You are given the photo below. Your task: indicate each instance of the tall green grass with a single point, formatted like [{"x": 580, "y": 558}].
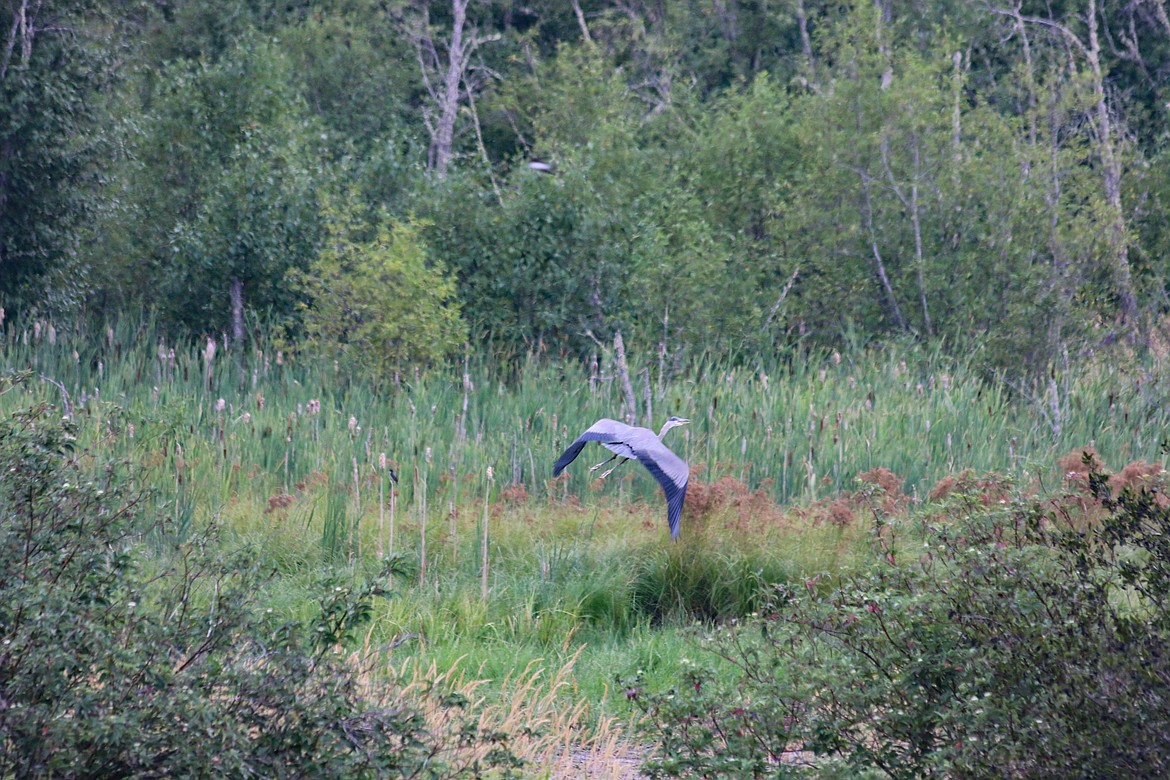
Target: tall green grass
[
  {"x": 255, "y": 422},
  {"x": 285, "y": 454}
]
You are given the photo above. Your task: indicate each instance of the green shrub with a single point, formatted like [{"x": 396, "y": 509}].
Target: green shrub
[
  {"x": 123, "y": 656},
  {"x": 1016, "y": 645}
]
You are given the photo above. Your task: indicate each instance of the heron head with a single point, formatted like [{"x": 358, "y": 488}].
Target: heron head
[{"x": 676, "y": 421}]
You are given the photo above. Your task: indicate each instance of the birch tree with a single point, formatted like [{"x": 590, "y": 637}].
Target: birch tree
[{"x": 447, "y": 63}]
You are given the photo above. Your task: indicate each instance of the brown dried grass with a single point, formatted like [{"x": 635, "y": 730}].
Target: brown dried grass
[{"x": 555, "y": 739}]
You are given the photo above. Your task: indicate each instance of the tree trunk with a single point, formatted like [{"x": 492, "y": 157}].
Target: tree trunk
[
  {"x": 449, "y": 96},
  {"x": 1111, "y": 170},
  {"x": 237, "y": 293},
  {"x": 619, "y": 351}
]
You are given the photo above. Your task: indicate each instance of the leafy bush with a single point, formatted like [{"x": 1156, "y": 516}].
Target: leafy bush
[
  {"x": 379, "y": 306},
  {"x": 125, "y": 656},
  {"x": 1015, "y": 645}
]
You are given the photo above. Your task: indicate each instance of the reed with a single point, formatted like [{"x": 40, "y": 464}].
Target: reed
[{"x": 292, "y": 458}]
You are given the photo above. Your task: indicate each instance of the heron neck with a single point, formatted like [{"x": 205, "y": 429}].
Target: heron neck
[{"x": 666, "y": 426}]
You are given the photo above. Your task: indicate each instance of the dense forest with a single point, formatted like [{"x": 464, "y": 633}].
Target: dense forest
[{"x": 720, "y": 176}]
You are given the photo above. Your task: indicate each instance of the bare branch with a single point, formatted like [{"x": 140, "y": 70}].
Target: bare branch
[{"x": 581, "y": 21}]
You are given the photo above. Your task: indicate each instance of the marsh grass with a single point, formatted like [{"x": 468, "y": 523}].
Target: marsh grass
[
  {"x": 291, "y": 457},
  {"x": 553, "y": 740}
]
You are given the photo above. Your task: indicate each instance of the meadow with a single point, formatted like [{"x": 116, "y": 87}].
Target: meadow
[{"x": 557, "y": 601}]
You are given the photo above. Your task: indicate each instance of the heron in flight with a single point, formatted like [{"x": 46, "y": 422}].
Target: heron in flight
[{"x": 628, "y": 442}]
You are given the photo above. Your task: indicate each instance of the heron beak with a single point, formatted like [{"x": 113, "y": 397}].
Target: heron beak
[{"x": 683, "y": 421}]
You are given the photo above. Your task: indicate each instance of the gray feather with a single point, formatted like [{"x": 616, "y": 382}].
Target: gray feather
[{"x": 643, "y": 445}]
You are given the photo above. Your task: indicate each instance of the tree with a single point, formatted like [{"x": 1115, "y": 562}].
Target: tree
[
  {"x": 222, "y": 194},
  {"x": 55, "y": 62},
  {"x": 377, "y": 304},
  {"x": 446, "y": 65},
  {"x": 1081, "y": 35}
]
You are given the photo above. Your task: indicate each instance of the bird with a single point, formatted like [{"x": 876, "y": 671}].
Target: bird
[
  {"x": 540, "y": 165},
  {"x": 630, "y": 442}
]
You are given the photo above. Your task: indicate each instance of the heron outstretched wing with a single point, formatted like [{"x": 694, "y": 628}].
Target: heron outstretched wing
[
  {"x": 670, "y": 470},
  {"x": 609, "y": 433},
  {"x": 644, "y": 446}
]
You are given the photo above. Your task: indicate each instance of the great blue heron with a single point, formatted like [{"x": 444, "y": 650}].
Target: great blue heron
[{"x": 626, "y": 442}]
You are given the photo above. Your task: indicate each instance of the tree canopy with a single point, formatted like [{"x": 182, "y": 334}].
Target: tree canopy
[{"x": 725, "y": 176}]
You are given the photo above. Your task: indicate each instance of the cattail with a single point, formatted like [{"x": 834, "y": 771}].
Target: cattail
[
  {"x": 52, "y": 335},
  {"x": 260, "y": 402},
  {"x": 483, "y": 572},
  {"x": 382, "y": 507},
  {"x": 220, "y": 404},
  {"x": 209, "y": 361}
]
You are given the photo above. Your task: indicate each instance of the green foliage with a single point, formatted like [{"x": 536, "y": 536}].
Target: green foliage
[
  {"x": 224, "y": 187},
  {"x": 378, "y": 305},
  {"x": 56, "y": 62},
  {"x": 123, "y": 657},
  {"x": 1019, "y": 638},
  {"x": 691, "y": 581}
]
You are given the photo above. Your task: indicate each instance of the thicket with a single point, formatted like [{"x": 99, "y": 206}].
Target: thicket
[
  {"x": 728, "y": 177},
  {"x": 130, "y": 652},
  {"x": 1020, "y": 636}
]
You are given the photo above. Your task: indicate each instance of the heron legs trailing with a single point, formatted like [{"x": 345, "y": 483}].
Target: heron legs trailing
[{"x": 599, "y": 465}]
